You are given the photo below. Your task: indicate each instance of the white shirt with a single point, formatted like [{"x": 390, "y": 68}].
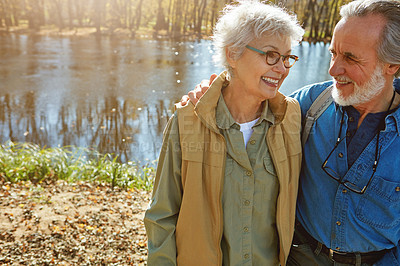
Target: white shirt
[{"x": 247, "y": 130}]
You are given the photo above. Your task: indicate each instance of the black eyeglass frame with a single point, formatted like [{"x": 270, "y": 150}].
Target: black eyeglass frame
[
  {"x": 285, "y": 58},
  {"x": 348, "y": 184}
]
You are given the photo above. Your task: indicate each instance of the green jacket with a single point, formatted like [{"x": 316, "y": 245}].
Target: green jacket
[{"x": 199, "y": 223}]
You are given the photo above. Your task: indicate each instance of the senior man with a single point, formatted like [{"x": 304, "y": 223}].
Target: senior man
[{"x": 348, "y": 209}]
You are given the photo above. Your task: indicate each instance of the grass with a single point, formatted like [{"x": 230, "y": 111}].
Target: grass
[{"x": 29, "y": 162}]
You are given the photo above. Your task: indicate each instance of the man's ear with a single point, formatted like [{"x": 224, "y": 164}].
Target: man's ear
[
  {"x": 391, "y": 69},
  {"x": 230, "y": 57}
]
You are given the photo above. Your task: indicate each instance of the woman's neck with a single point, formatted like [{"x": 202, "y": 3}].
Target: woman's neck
[{"x": 242, "y": 107}]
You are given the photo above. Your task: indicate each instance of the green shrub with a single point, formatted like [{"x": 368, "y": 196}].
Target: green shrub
[{"x": 27, "y": 161}]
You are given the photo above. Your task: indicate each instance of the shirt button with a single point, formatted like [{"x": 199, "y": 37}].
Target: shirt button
[
  {"x": 248, "y": 173},
  {"x": 246, "y": 229},
  {"x": 351, "y": 119},
  {"x": 252, "y": 142},
  {"x": 340, "y": 155},
  {"x": 246, "y": 256},
  {"x": 397, "y": 189},
  {"x": 338, "y": 223},
  {"x": 247, "y": 202}
]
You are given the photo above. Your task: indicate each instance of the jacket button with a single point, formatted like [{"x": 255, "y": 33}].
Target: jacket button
[
  {"x": 248, "y": 173},
  {"x": 252, "y": 142},
  {"x": 246, "y": 256},
  {"x": 247, "y": 202},
  {"x": 340, "y": 155},
  {"x": 246, "y": 229},
  {"x": 338, "y": 223},
  {"x": 397, "y": 189}
]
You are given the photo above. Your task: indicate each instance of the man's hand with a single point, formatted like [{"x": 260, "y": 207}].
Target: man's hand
[{"x": 198, "y": 91}]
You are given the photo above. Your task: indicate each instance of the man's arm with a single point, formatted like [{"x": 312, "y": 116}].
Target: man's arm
[
  {"x": 161, "y": 218},
  {"x": 393, "y": 256},
  {"x": 194, "y": 95}
]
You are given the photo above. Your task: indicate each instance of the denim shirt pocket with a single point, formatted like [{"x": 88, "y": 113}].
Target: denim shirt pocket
[{"x": 380, "y": 205}]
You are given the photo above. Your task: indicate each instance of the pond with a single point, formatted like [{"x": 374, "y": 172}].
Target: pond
[{"x": 114, "y": 95}]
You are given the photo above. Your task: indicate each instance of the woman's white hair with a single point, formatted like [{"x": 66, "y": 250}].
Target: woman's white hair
[{"x": 248, "y": 20}]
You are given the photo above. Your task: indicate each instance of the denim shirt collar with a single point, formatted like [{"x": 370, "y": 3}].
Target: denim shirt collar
[{"x": 392, "y": 121}]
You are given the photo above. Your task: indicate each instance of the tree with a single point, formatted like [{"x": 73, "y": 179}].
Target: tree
[
  {"x": 70, "y": 15},
  {"x": 138, "y": 14},
  {"x": 99, "y": 6},
  {"x": 35, "y": 13},
  {"x": 178, "y": 17},
  {"x": 161, "y": 24},
  {"x": 200, "y": 16}
]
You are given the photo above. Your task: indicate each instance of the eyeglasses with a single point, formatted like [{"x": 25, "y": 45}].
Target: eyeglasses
[
  {"x": 350, "y": 186},
  {"x": 272, "y": 57}
]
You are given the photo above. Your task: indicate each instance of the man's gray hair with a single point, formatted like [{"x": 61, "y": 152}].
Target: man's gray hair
[
  {"x": 389, "y": 44},
  {"x": 248, "y": 20}
]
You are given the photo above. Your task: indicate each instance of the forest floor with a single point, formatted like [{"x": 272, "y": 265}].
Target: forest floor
[{"x": 71, "y": 224}]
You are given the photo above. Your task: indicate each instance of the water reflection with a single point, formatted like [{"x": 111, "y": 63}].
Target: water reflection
[{"x": 112, "y": 94}]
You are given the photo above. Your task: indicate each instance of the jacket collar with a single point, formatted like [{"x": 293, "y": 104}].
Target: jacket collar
[
  {"x": 225, "y": 119},
  {"x": 206, "y": 107},
  {"x": 393, "y": 120}
]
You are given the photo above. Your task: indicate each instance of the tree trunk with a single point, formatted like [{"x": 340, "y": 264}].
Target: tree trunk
[
  {"x": 322, "y": 18},
  {"x": 70, "y": 15},
  {"x": 194, "y": 14},
  {"x": 185, "y": 20},
  {"x": 41, "y": 13},
  {"x": 34, "y": 14},
  {"x": 2, "y": 14},
  {"x": 129, "y": 16},
  {"x": 59, "y": 10},
  {"x": 98, "y": 4},
  {"x": 334, "y": 17},
  {"x": 7, "y": 14},
  {"x": 213, "y": 16},
  {"x": 169, "y": 21},
  {"x": 176, "y": 30},
  {"x": 306, "y": 14},
  {"x": 78, "y": 12},
  {"x": 160, "y": 23},
  {"x": 200, "y": 16},
  {"x": 15, "y": 13},
  {"x": 138, "y": 14}
]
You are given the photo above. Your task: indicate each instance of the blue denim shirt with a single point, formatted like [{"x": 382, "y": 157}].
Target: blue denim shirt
[{"x": 333, "y": 215}]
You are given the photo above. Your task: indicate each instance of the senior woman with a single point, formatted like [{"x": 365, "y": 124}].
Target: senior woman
[{"x": 227, "y": 177}]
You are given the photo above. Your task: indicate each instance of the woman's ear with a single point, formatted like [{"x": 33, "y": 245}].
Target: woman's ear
[{"x": 230, "y": 57}]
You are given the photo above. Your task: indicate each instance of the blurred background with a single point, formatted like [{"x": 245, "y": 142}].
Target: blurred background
[{"x": 105, "y": 74}]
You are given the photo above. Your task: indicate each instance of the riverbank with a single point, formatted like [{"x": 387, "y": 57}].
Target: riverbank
[
  {"x": 142, "y": 33},
  {"x": 71, "y": 206}
]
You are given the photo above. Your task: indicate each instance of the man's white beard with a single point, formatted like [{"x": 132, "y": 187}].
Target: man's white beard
[{"x": 361, "y": 94}]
